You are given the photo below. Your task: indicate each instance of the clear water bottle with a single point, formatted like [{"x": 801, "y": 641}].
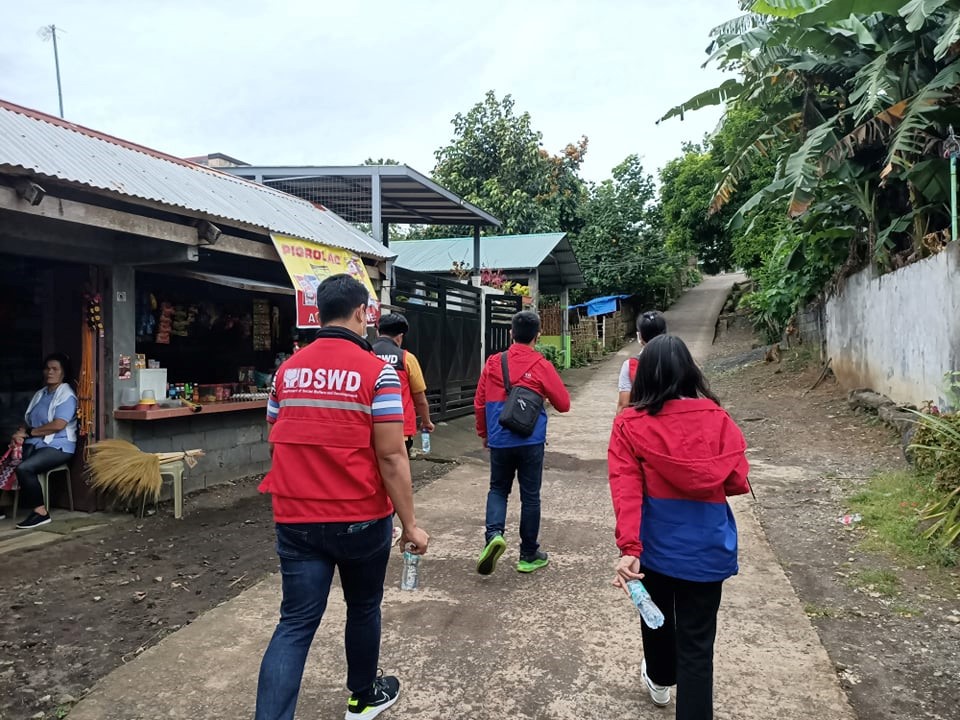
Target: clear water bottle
[
  {"x": 645, "y": 606},
  {"x": 425, "y": 442},
  {"x": 410, "y": 579}
]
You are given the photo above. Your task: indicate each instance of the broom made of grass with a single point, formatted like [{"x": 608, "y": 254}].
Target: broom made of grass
[{"x": 121, "y": 468}]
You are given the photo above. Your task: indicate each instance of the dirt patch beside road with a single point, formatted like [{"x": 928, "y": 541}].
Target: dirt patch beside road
[
  {"x": 73, "y": 611},
  {"x": 883, "y": 621}
]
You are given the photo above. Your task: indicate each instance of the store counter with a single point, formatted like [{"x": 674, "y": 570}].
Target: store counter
[{"x": 162, "y": 413}]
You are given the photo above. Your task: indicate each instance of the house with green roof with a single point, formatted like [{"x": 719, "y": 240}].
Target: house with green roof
[{"x": 543, "y": 262}]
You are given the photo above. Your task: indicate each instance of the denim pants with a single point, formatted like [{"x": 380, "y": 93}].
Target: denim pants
[
  {"x": 681, "y": 652},
  {"x": 309, "y": 553},
  {"x": 526, "y": 464},
  {"x": 37, "y": 460}
]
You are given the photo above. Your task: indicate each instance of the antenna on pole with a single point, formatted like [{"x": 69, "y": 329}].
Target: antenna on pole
[{"x": 49, "y": 32}]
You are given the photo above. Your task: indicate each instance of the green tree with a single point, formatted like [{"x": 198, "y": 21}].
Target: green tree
[
  {"x": 696, "y": 223},
  {"x": 496, "y": 161},
  {"x": 851, "y": 104},
  {"x": 621, "y": 247},
  {"x": 687, "y": 185}
]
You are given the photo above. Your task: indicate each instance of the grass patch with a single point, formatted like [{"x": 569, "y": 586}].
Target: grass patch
[
  {"x": 818, "y": 611},
  {"x": 890, "y": 504},
  {"x": 800, "y": 357},
  {"x": 881, "y": 581},
  {"x": 906, "y": 611}
]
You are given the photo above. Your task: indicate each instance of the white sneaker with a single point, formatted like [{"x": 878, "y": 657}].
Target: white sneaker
[{"x": 658, "y": 693}]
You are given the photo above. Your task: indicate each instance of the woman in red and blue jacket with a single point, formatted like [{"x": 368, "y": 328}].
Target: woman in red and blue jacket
[{"x": 674, "y": 457}]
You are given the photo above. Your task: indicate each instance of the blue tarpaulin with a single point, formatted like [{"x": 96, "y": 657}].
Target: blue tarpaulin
[{"x": 601, "y": 305}]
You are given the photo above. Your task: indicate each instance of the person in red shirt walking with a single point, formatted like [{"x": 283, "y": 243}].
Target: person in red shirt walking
[
  {"x": 674, "y": 457},
  {"x": 339, "y": 472},
  {"x": 512, "y": 455},
  {"x": 388, "y": 347},
  {"x": 649, "y": 325}
]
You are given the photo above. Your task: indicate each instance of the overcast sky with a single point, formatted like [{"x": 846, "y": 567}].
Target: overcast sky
[{"x": 313, "y": 82}]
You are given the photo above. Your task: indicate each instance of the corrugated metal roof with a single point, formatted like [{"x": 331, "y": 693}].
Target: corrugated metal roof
[
  {"x": 550, "y": 253},
  {"x": 55, "y": 149},
  {"x": 406, "y": 196}
]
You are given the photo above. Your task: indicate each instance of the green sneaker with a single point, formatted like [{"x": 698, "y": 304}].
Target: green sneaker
[
  {"x": 487, "y": 562},
  {"x": 529, "y": 564}
]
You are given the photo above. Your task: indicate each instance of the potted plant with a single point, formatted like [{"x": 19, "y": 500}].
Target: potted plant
[
  {"x": 461, "y": 271},
  {"x": 494, "y": 279}
]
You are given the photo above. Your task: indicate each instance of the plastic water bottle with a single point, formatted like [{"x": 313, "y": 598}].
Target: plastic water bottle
[
  {"x": 410, "y": 579},
  {"x": 425, "y": 441},
  {"x": 645, "y": 606}
]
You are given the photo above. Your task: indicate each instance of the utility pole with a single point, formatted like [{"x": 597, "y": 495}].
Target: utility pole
[
  {"x": 951, "y": 149},
  {"x": 46, "y": 33}
]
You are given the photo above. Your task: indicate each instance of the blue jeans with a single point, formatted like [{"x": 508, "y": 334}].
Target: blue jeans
[
  {"x": 309, "y": 553},
  {"x": 526, "y": 464}
]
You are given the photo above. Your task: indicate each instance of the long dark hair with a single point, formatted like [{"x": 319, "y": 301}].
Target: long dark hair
[{"x": 666, "y": 371}]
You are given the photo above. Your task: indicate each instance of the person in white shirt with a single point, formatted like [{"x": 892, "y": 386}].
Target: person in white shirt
[{"x": 649, "y": 325}]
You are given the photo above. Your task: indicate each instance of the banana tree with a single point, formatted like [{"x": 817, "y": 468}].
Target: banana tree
[{"x": 849, "y": 89}]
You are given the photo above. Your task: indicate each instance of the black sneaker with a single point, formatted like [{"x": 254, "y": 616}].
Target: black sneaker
[
  {"x": 532, "y": 563},
  {"x": 34, "y": 520},
  {"x": 381, "y": 696}
]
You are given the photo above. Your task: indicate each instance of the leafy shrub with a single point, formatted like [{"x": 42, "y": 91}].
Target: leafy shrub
[
  {"x": 692, "y": 277},
  {"x": 553, "y": 354},
  {"x": 579, "y": 356},
  {"x": 936, "y": 449}
]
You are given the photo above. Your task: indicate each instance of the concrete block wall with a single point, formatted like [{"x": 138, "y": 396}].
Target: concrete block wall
[
  {"x": 897, "y": 333},
  {"x": 809, "y": 321},
  {"x": 234, "y": 444}
]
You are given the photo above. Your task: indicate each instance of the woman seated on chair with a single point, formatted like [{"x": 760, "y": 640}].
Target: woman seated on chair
[{"x": 48, "y": 435}]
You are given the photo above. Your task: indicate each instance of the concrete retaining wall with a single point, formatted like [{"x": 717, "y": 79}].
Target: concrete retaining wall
[
  {"x": 234, "y": 442},
  {"x": 897, "y": 333}
]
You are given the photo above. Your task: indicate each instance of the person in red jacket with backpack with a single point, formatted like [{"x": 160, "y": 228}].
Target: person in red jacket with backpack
[
  {"x": 649, "y": 325},
  {"x": 673, "y": 459},
  {"x": 513, "y": 455}
]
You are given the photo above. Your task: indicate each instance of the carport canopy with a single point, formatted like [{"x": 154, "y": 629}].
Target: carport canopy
[{"x": 374, "y": 194}]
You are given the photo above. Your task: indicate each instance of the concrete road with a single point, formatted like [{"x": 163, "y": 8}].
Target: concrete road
[{"x": 560, "y": 644}]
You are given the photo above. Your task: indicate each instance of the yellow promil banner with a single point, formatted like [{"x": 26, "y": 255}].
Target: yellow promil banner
[{"x": 308, "y": 264}]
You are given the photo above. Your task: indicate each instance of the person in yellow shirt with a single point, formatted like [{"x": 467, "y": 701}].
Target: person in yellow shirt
[{"x": 388, "y": 347}]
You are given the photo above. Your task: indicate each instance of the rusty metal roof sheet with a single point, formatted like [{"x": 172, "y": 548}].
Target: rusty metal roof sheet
[{"x": 49, "y": 147}]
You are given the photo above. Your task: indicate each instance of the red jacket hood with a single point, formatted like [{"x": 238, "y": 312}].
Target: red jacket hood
[{"x": 693, "y": 445}]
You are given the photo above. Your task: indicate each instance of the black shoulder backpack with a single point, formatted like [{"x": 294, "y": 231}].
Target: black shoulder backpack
[{"x": 522, "y": 409}]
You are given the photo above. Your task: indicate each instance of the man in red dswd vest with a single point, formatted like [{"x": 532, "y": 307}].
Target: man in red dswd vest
[{"x": 339, "y": 472}]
